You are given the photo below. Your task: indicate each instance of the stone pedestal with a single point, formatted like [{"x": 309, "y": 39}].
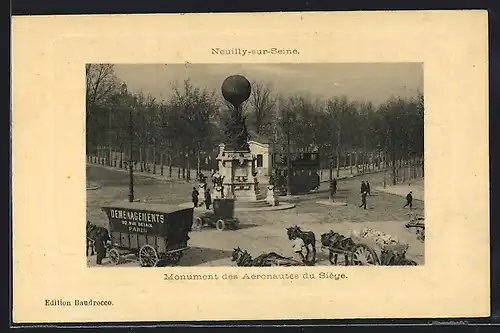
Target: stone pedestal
[{"x": 236, "y": 167}]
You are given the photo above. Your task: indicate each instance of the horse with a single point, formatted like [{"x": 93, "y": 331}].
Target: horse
[
  {"x": 94, "y": 231},
  {"x": 307, "y": 237},
  {"x": 244, "y": 259},
  {"x": 271, "y": 258},
  {"x": 334, "y": 240}
]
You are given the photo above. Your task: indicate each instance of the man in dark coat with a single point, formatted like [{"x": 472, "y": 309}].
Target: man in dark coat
[
  {"x": 363, "y": 200},
  {"x": 100, "y": 247},
  {"x": 334, "y": 185},
  {"x": 208, "y": 198},
  {"x": 409, "y": 200},
  {"x": 363, "y": 187},
  {"x": 194, "y": 196},
  {"x": 368, "y": 188}
]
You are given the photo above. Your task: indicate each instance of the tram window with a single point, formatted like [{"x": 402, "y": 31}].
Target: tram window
[{"x": 260, "y": 162}]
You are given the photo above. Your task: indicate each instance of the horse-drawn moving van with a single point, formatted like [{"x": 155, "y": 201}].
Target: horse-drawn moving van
[{"x": 156, "y": 233}]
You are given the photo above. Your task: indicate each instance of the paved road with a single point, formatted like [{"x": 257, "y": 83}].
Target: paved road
[{"x": 264, "y": 232}]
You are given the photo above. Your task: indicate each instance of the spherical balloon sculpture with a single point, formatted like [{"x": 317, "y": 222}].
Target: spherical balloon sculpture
[{"x": 236, "y": 89}]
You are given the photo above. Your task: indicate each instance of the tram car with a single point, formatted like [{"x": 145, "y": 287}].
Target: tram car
[{"x": 304, "y": 172}]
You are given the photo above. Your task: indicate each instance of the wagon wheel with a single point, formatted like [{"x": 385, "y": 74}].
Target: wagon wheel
[
  {"x": 114, "y": 256},
  {"x": 220, "y": 225},
  {"x": 363, "y": 255},
  {"x": 148, "y": 257},
  {"x": 197, "y": 223},
  {"x": 173, "y": 258}
]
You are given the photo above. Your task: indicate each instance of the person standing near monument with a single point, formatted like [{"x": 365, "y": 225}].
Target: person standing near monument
[
  {"x": 208, "y": 198},
  {"x": 194, "y": 196}
]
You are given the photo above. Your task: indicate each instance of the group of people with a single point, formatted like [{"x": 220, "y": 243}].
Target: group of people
[
  {"x": 208, "y": 197},
  {"x": 365, "y": 190}
]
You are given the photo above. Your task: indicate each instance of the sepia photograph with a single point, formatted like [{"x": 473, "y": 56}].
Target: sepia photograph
[
  {"x": 254, "y": 164},
  {"x": 300, "y": 161}
]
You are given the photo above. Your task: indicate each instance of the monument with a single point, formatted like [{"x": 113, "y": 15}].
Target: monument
[
  {"x": 235, "y": 161},
  {"x": 235, "y": 177}
]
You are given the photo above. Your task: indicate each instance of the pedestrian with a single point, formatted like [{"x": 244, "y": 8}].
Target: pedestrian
[
  {"x": 100, "y": 247},
  {"x": 409, "y": 200},
  {"x": 213, "y": 178},
  {"x": 194, "y": 196},
  {"x": 208, "y": 198},
  {"x": 298, "y": 246},
  {"x": 363, "y": 187},
  {"x": 368, "y": 188},
  {"x": 363, "y": 200},
  {"x": 334, "y": 183}
]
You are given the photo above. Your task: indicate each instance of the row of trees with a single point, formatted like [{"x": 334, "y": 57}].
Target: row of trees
[{"x": 184, "y": 131}]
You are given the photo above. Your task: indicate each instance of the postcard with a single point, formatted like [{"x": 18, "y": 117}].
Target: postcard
[{"x": 250, "y": 166}]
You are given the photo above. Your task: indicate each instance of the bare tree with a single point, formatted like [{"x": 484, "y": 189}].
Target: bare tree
[
  {"x": 102, "y": 84},
  {"x": 262, "y": 102}
]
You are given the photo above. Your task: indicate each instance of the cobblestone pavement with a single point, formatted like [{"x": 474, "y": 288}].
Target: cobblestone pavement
[{"x": 263, "y": 231}]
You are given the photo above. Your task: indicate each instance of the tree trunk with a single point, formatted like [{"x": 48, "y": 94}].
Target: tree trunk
[
  {"x": 393, "y": 166},
  {"x": 350, "y": 161},
  {"x": 385, "y": 168},
  {"x": 183, "y": 163},
  {"x": 198, "y": 165},
  {"x": 188, "y": 168},
  {"x": 363, "y": 162},
  {"x": 403, "y": 166},
  {"x": 170, "y": 164},
  {"x": 356, "y": 161},
  {"x": 161, "y": 163},
  {"x": 423, "y": 162},
  {"x": 139, "y": 164},
  {"x": 154, "y": 160}
]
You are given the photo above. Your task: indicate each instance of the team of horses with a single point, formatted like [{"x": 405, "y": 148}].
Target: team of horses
[
  {"x": 243, "y": 259},
  {"x": 329, "y": 240}
]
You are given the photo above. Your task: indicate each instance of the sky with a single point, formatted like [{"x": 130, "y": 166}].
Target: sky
[{"x": 363, "y": 82}]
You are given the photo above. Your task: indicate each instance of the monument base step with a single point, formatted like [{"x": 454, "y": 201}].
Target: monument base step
[{"x": 251, "y": 204}]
